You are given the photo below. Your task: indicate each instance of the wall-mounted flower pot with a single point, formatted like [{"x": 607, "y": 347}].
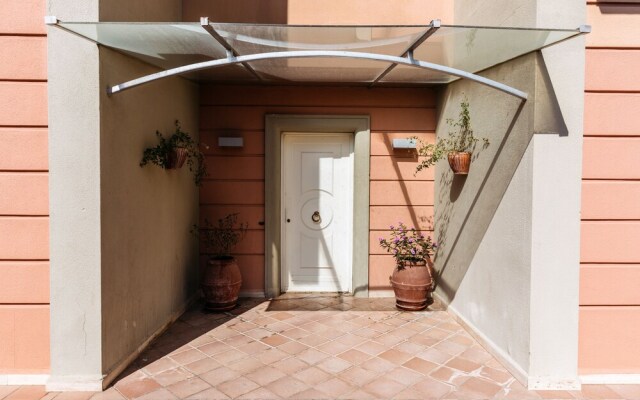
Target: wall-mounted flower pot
[
  {"x": 459, "y": 161},
  {"x": 221, "y": 284},
  {"x": 177, "y": 157},
  {"x": 412, "y": 283}
]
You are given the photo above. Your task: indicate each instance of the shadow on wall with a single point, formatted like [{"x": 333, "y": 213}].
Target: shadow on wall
[
  {"x": 240, "y": 11},
  {"x": 466, "y": 205}
]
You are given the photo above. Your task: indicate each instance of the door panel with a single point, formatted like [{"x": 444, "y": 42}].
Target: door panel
[{"x": 318, "y": 212}]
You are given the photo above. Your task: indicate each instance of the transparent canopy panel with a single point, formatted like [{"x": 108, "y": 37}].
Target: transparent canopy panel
[
  {"x": 173, "y": 45},
  {"x": 474, "y": 49}
]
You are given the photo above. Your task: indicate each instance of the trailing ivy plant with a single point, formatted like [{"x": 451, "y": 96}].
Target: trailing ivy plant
[
  {"x": 460, "y": 139},
  {"x": 161, "y": 154}
]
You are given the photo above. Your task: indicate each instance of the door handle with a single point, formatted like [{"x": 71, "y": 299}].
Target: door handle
[{"x": 316, "y": 217}]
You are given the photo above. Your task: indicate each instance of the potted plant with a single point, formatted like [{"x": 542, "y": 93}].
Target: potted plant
[
  {"x": 458, "y": 146},
  {"x": 173, "y": 152},
  {"x": 222, "y": 279},
  {"x": 412, "y": 279}
]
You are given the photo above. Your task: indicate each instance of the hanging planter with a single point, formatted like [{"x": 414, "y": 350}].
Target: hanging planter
[
  {"x": 172, "y": 153},
  {"x": 458, "y": 147}
]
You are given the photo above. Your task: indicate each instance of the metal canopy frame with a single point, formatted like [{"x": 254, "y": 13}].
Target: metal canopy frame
[{"x": 234, "y": 58}]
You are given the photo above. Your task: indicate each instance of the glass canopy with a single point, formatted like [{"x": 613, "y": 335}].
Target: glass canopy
[{"x": 381, "y": 55}]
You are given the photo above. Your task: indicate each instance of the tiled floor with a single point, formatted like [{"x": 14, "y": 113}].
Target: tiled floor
[{"x": 318, "y": 347}]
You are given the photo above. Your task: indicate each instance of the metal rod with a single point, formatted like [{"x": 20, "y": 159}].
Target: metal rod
[
  {"x": 314, "y": 54},
  {"x": 435, "y": 24},
  {"x": 204, "y": 22}
]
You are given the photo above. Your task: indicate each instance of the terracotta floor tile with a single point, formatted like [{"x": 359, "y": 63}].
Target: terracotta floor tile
[
  {"x": 404, "y": 376},
  {"x": 597, "y": 392},
  {"x": 296, "y": 333},
  {"x": 435, "y": 356},
  {"x": 253, "y": 348},
  {"x": 219, "y": 375},
  {"x": 312, "y": 356},
  {"x": 275, "y": 340},
  {"x": 384, "y": 388},
  {"x": 631, "y": 392},
  {"x": 409, "y": 347},
  {"x": 351, "y": 340},
  {"x": 378, "y": 365},
  {"x": 432, "y": 389},
  {"x": 372, "y": 348},
  {"x": 202, "y": 340},
  {"x": 189, "y": 387},
  {"x": 245, "y": 366},
  {"x": 463, "y": 365},
  {"x": 313, "y": 340},
  {"x": 7, "y": 390},
  {"x": 358, "y": 375},
  {"x": 202, "y": 366},
  {"x": 241, "y": 326},
  {"x": 419, "y": 365},
  {"x": 554, "y": 394},
  {"x": 312, "y": 376},
  {"x": 259, "y": 394},
  {"x": 495, "y": 375},
  {"x": 335, "y": 387},
  {"x": 271, "y": 356},
  {"x": 310, "y": 394},
  {"x": 74, "y": 395},
  {"x": 293, "y": 347},
  {"x": 228, "y": 356},
  {"x": 409, "y": 394},
  {"x": 290, "y": 365},
  {"x": 333, "y": 348},
  {"x": 172, "y": 376},
  {"x": 237, "y": 387},
  {"x": 395, "y": 356},
  {"x": 389, "y": 339},
  {"x": 361, "y": 395},
  {"x": 265, "y": 375},
  {"x": 334, "y": 365},
  {"x": 214, "y": 348},
  {"x": 209, "y": 394},
  {"x": 27, "y": 393},
  {"x": 189, "y": 356},
  {"x": 161, "y": 365},
  {"x": 238, "y": 340},
  {"x": 444, "y": 374},
  {"x": 450, "y": 347},
  {"x": 50, "y": 396},
  {"x": 287, "y": 387},
  {"x": 136, "y": 388},
  {"x": 481, "y": 387},
  {"x": 109, "y": 394},
  {"x": 160, "y": 394},
  {"x": 354, "y": 357}
]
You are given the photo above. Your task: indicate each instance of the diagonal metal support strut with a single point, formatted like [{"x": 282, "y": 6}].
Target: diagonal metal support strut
[
  {"x": 435, "y": 24},
  {"x": 204, "y": 22}
]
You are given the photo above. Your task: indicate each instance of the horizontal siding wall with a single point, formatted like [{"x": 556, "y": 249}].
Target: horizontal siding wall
[
  {"x": 610, "y": 255},
  {"x": 236, "y": 176},
  {"x": 24, "y": 198}
]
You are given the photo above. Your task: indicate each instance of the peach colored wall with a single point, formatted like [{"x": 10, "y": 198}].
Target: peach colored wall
[
  {"x": 24, "y": 207},
  {"x": 236, "y": 180},
  {"x": 610, "y": 257},
  {"x": 326, "y": 12}
]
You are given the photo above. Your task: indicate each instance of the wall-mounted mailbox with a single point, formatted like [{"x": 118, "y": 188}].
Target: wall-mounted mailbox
[
  {"x": 230, "y": 142},
  {"x": 404, "y": 143}
]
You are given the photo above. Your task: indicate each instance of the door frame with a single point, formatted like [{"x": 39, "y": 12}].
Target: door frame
[{"x": 275, "y": 126}]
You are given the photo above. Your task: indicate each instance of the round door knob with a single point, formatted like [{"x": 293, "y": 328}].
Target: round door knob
[{"x": 316, "y": 217}]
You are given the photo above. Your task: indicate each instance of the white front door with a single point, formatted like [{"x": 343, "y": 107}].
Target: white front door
[{"x": 318, "y": 212}]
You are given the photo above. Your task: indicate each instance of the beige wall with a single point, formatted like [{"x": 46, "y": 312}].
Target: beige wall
[
  {"x": 327, "y": 12},
  {"x": 24, "y": 205},
  {"x": 149, "y": 257},
  {"x": 236, "y": 180},
  {"x": 610, "y": 258}
]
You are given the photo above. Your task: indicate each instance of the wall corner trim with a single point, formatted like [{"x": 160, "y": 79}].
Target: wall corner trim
[
  {"x": 610, "y": 379},
  {"x": 75, "y": 383}
]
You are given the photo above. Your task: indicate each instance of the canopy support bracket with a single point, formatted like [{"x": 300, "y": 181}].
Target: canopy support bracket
[
  {"x": 409, "y": 61},
  {"x": 204, "y": 22},
  {"x": 435, "y": 24}
]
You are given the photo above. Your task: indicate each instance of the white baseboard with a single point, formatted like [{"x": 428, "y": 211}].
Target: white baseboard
[
  {"x": 93, "y": 383},
  {"x": 610, "y": 379},
  {"x": 23, "y": 379},
  {"x": 502, "y": 357},
  {"x": 531, "y": 382},
  {"x": 381, "y": 293}
]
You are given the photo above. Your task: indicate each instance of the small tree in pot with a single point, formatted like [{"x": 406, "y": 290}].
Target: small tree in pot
[
  {"x": 412, "y": 279},
  {"x": 222, "y": 279}
]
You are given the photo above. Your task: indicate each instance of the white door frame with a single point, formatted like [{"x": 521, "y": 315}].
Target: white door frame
[
  {"x": 275, "y": 126},
  {"x": 285, "y": 270}
]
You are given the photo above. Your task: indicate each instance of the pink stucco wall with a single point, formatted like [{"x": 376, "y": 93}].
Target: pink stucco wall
[
  {"x": 236, "y": 180},
  {"x": 24, "y": 208},
  {"x": 610, "y": 255}
]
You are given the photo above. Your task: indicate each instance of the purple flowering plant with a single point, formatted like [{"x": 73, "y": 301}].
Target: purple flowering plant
[{"x": 407, "y": 244}]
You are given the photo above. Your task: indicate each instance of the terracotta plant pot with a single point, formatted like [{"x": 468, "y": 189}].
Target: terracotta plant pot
[
  {"x": 177, "y": 157},
  {"x": 459, "y": 161},
  {"x": 221, "y": 284},
  {"x": 412, "y": 283}
]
